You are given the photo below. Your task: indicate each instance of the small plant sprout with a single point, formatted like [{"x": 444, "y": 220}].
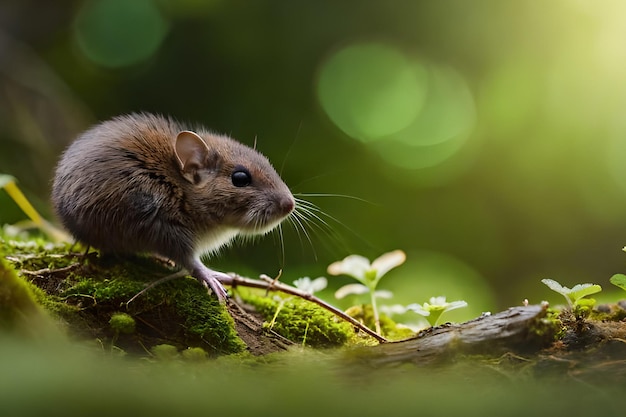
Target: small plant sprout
[
  {"x": 434, "y": 308},
  {"x": 310, "y": 286},
  {"x": 368, "y": 274},
  {"x": 575, "y": 295}
]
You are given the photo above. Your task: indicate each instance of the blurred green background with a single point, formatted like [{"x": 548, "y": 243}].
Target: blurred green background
[{"x": 486, "y": 137}]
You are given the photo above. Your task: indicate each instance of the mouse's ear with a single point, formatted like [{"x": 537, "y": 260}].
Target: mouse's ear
[{"x": 196, "y": 160}]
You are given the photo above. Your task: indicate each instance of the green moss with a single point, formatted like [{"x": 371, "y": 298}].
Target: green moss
[
  {"x": 550, "y": 326},
  {"x": 205, "y": 319},
  {"x": 194, "y": 354},
  {"x": 87, "y": 292},
  {"x": 300, "y": 321},
  {"x": 389, "y": 328},
  {"x": 164, "y": 352},
  {"x": 122, "y": 323},
  {"x": 105, "y": 290},
  {"x": 20, "y": 313},
  {"x": 610, "y": 312}
]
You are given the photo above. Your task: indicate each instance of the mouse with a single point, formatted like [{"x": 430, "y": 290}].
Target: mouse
[{"x": 145, "y": 183}]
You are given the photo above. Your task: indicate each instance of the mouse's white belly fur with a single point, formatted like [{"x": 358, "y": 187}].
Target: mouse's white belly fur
[{"x": 211, "y": 242}]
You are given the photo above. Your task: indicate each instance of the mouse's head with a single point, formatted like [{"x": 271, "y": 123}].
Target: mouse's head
[{"x": 234, "y": 185}]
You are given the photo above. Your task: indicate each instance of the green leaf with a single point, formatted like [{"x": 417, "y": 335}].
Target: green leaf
[
  {"x": 582, "y": 290},
  {"x": 555, "y": 286},
  {"x": 619, "y": 280}
]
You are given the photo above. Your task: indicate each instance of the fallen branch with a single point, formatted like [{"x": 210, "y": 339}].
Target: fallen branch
[{"x": 515, "y": 329}]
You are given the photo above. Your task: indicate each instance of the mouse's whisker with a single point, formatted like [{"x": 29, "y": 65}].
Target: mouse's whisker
[
  {"x": 313, "y": 214},
  {"x": 281, "y": 238},
  {"x": 295, "y": 227},
  {"x": 316, "y": 224},
  {"x": 350, "y": 197},
  {"x": 315, "y": 217},
  {"x": 321, "y": 223},
  {"x": 298, "y": 221}
]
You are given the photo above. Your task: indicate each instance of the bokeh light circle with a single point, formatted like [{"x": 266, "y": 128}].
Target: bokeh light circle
[
  {"x": 441, "y": 129},
  {"x": 118, "y": 33},
  {"x": 412, "y": 112},
  {"x": 370, "y": 90}
]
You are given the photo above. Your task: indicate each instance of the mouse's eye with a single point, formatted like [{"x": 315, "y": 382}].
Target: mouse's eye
[{"x": 241, "y": 177}]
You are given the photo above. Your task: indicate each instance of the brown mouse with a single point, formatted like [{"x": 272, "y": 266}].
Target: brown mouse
[{"x": 143, "y": 183}]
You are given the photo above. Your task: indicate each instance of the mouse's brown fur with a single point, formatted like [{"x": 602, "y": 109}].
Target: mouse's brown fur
[{"x": 143, "y": 183}]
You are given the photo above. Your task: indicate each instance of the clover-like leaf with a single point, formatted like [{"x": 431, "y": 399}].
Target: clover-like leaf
[
  {"x": 619, "y": 280},
  {"x": 582, "y": 290},
  {"x": 556, "y": 287}
]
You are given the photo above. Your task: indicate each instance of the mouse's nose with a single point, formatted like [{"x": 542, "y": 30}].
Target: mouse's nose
[{"x": 286, "y": 204}]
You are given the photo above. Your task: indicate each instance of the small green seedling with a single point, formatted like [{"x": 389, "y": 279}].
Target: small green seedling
[
  {"x": 368, "y": 274},
  {"x": 436, "y": 306},
  {"x": 575, "y": 296}
]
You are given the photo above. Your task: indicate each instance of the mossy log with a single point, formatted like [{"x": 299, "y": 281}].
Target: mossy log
[
  {"x": 519, "y": 329},
  {"x": 87, "y": 294}
]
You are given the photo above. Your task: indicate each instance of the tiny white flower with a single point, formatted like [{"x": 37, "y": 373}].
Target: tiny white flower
[
  {"x": 368, "y": 274},
  {"x": 349, "y": 289},
  {"x": 365, "y": 272},
  {"x": 393, "y": 309},
  {"x": 383, "y": 294},
  {"x": 435, "y": 308},
  {"x": 310, "y": 286},
  {"x": 417, "y": 308},
  {"x": 357, "y": 289}
]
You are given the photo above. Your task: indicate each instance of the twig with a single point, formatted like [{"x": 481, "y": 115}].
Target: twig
[
  {"x": 269, "y": 284},
  {"x": 287, "y": 289},
  {"x": 178, "y": 274},
  {"x": 49, "y": 271}
]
